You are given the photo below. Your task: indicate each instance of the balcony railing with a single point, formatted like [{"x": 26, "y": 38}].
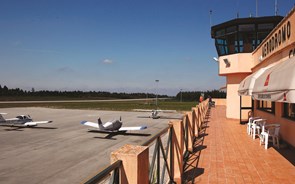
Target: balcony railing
[{"x": 171, "y": 149}]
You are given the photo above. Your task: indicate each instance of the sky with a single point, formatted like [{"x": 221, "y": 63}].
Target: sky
[{"x": 117, "y": 45}]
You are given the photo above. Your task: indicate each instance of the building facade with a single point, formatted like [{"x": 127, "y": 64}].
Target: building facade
[{"x": 255, "y": 45}]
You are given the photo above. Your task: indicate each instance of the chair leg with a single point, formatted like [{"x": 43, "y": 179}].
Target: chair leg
[
  {"x": 262, "y": 137},
  {"x": 254, "y": 131},
  {"x": 275, "y": 141},
  {"x": 248, "y": 129},
  {"x": 266, "y": 141}
]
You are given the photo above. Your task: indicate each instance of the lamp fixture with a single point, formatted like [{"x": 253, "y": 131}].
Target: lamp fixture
[{"x": 227, "y": 63}]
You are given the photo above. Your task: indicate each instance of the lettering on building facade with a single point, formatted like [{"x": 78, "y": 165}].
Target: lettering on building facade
[{"x": 277, "y": 39}]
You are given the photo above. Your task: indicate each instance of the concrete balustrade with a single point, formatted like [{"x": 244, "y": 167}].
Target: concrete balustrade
[
  {"x": 195, "y": 121},
  {"x": 190, "y": 130},
  {"x": 135, "y": 159},
  {"x": 177, "y": 147}
]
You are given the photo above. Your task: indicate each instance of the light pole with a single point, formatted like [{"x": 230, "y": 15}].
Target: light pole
[{"x": 157, "y": 81}]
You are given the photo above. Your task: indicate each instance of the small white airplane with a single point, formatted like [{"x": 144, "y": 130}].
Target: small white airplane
[
  {"x": 23, "y": 120},
  {"x": 111, "y": 126},
  {"x": 155, "y": 114}
]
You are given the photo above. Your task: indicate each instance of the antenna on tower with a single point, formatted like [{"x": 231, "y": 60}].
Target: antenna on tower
[
  {"x": 256, "y": 8},
  {"x": 238, "y": 13},
  {"x": 276, "y": 7},
  {"x": 210, "y": 14}
]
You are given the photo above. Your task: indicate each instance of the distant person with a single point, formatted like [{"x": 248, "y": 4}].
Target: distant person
[
  {"x": 211, "y": 103},
  {"x": 210, "y": 99},
  {"x": 201, "y": 99}
]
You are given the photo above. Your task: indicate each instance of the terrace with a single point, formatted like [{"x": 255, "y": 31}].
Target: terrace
[{"x": 229, "y": 155}]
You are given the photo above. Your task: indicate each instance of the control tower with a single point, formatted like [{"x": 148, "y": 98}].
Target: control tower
[{"x": 235, "y": 40}]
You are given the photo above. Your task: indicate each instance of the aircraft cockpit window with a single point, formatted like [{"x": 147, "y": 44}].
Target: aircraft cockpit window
[{"x": 19, "y": 117}]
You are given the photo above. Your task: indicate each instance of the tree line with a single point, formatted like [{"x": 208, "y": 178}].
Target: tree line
[
  {"x": 195, "y": 95},
  {"x": 17, "y": 93}
]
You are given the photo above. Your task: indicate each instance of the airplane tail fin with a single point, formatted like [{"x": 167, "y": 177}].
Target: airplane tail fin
[
  {"x": 1, "y": 117},
  {"x": 101, "y": 127}
]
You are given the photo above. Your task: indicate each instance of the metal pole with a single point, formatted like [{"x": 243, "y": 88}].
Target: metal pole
[
  {"x": 240, "y": 109},
  {"x": 157, "y": 93},
  {"x": 276, "y": 7},
  {"x": 210, "y": 14},
  {"x": 256, "y": 8}
]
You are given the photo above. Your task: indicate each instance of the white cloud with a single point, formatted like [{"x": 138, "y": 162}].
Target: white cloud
[{"x": 107, "y": 61}]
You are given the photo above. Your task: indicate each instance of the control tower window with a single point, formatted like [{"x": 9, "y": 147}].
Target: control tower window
[
  {"x": 261, "y": 36},
  {"x": 221, "y": 46},
  {"x": 242, "y": 35}
]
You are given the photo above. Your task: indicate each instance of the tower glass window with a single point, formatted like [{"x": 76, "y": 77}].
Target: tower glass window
[{"x": 242, "y": 35}]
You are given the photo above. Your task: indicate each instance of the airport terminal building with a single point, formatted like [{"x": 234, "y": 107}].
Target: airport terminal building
[{"x": 256, "y": 55}]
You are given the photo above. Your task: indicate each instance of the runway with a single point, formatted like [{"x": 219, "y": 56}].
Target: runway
[{"x": 65, "y": 151}]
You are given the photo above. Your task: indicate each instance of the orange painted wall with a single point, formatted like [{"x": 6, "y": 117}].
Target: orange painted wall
[
  {"x": 287, "y": 130},
  {"x": 232, "y": 97},
  {"x": 238, "y": 63},
  {"x": 279, "y": 54}
]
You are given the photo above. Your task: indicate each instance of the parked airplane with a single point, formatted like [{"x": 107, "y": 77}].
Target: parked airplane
[
  {"x": 111, "y": 126},
  {"x": 23, "y": 120},
  {"x": 155, "y": 114}
]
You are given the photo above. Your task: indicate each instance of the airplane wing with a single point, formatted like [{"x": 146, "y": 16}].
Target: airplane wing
[
  {"x": 144, "y": 116},
  {"x": 91, "y": 124},
  {"x": 143, "y": 110},
  {"x": 34, "y": 123},
  {"x": 151, "y": 110},
  {"x": 132, "y": 128}
]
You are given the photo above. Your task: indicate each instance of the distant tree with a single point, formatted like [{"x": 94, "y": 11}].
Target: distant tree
[{"x": 195, "y": 95}]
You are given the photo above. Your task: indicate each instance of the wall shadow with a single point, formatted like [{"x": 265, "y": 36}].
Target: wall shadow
[{"x": 191, "y": 170}]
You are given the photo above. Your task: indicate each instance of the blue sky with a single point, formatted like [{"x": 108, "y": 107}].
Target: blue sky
[{"x": 116, "y": 45}]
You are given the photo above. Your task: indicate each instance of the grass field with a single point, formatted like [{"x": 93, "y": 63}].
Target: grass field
[{"x": 109, "y": 105}]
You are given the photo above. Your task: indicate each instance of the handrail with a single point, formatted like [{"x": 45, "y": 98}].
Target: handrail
[
  {"x": 148, "y": 142},
  {"x": 161, "y": 152},
  {"x": 104, "y": 173}
]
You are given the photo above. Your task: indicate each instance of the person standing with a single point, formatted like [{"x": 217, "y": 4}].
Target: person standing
[{"x": 201, "y": 99}]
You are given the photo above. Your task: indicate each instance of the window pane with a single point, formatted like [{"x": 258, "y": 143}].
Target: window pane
[
  {"x": 247, "y": 27},
  {"x": 268, "y": 26},
  {"x": 220, "y": 33},
  {"x": 232, "y": 29},
  {"x": 267, "y": 106},
  {"x": 289, "y": 110}
]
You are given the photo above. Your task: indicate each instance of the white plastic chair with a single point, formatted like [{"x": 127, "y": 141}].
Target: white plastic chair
[
  {"x": 270, "y": 131},
  {"x": 257, "y": 126},
  {"x": 249, "y": 125}
]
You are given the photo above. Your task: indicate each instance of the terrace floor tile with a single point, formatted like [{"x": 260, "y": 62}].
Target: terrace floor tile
[{"x": 229, "y": 155}]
